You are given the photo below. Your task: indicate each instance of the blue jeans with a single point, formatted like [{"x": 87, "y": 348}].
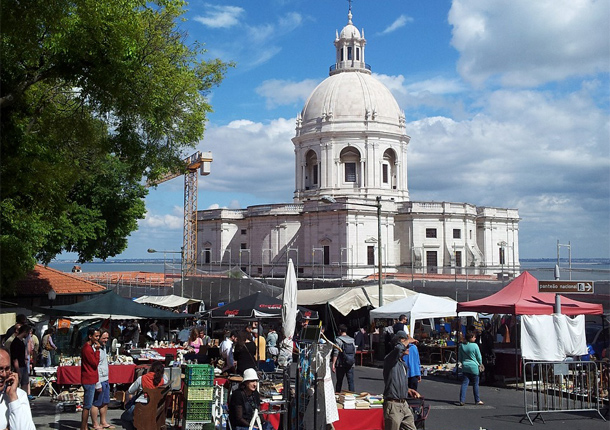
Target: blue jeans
[
  {"x": 345, "y": 371},
  {"x": 475, "y": 386},
  {"x": 46, "y": 361},
  {"x": 88, "y": 396}
]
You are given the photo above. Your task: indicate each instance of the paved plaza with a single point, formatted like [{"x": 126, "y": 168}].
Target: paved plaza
[{"x": 503, "y": 409}]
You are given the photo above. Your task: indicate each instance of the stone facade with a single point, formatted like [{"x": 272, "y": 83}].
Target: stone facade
[{"x": 351, "y": 157}]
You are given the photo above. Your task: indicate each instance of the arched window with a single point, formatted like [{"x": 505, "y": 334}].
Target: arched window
[
  {"x": 388, "y": 169},
  {"x": 312, "y": 170},
  {"x": 350, "y": 161}
]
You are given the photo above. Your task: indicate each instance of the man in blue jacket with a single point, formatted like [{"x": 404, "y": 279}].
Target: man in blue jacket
[
  {"x": 397, "y": 414},
  {"x": 413, "y": 364}
]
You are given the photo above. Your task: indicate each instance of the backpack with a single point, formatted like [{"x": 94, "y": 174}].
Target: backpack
[{"x": 347, "y": 357}]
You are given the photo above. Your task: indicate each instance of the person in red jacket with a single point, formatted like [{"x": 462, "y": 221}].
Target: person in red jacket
[{"x": 90, "y": 358}]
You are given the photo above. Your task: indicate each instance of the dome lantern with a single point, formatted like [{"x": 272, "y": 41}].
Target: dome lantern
[{"x": 350, "y": 50}]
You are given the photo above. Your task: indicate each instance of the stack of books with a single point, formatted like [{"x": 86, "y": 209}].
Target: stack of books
[
  {"x": 346, "y": 401},
  {"x": 375, "y": 401},
  {"x": 362, "y": 401}
]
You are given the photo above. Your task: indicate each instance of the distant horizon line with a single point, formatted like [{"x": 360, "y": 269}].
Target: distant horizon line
[{"x": 120, "y": 260}]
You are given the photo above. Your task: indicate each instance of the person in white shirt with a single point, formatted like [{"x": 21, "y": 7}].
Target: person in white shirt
[
  {"x": 226, "y": 351},
  {"x": 101, "y": 397},
  {"x": 15, "y": 410}
]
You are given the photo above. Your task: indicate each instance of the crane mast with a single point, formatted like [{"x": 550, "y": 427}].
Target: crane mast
[{"x": 199, "y": 161}]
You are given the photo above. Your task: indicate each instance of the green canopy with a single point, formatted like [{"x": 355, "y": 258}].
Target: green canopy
[{"x": 109, "y": 304}]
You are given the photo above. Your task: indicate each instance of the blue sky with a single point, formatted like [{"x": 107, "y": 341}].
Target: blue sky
[{"x": 507, "y": 104}]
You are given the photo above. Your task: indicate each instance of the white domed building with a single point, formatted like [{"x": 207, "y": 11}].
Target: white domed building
[{"x": 351, "y": 190}]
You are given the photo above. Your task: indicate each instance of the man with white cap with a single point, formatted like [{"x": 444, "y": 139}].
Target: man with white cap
[
  {"x": 397, "y": 414},
  {"x": 244, "y": 402}
]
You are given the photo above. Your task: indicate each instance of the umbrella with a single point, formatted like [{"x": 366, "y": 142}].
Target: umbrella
[{"x": 289, "y": 308}]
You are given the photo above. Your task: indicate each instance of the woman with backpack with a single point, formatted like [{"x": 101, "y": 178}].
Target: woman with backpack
[{"x": 343, "y": 361}]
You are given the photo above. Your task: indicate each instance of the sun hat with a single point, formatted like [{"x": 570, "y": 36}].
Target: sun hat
[{"x": 250, "y": 375}]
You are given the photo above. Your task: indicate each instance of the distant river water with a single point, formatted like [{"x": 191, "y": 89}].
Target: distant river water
[{"x": 594, "y": 270}]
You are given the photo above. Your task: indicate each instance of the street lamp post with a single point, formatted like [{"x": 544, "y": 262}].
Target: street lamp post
[
  {"x": 502, "y": 246},
  {"x": 569, "y": 246},
  {"x": 181, "y": 252},
  {"x": 329, "y": 199}
]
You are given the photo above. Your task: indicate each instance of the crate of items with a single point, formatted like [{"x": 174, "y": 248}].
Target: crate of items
[
  {"x": 198, "y": 411},
  {"x": 193, "y": 392},
  {"x": 199, "y": 375},
  {"x": 197, "y": 425}
]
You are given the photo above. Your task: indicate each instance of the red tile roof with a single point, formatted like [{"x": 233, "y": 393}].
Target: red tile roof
[{"x": 42, "y": 279}]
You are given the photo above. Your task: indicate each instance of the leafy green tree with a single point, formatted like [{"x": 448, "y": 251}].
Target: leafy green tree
[{"x": 96, "y": 96}]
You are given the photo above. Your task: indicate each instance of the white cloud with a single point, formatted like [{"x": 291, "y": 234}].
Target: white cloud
[
  {"x": 220, "y": 16},
  {"x": 164, "y": 222},
  {"x": 436, "y": 92},
  {"x": 252, "y": 157},
  {"x": 279, "y": 92},
  {"x": 528, "y": 43},
  {"x": 434, "y": 85},
  {"x": 400, "y": 22},
  {"x": 544, "y": 154}
]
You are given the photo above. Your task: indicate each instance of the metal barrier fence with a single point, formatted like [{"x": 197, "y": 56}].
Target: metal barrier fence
[{"x": 572, "y": 386}]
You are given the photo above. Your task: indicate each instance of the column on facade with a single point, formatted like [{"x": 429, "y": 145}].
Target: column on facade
[
  {"x": 327, "y": 165},
  {"x": 403, "y": 163}
]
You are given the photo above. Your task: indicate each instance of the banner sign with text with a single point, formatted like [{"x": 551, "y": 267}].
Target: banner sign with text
[{"x": 566, "y": 287}]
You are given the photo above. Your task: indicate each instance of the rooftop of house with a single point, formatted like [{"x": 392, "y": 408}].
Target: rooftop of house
[{"x": 43, "y": 279}]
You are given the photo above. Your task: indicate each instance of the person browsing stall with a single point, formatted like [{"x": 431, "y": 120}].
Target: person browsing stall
[
  {"x": 18, "y": 357},
  {"x": 227, "y": 350},
  {"x": 90, "y": 359},
  {"x": 102, "y": 398},
  {"x": 244, "y": 402},
  {"x": 15, "y": 410},
  {"x": 155, "y": 378},
  {"x": 244, "y": 352},
  {"x": 397, "y": 414},
  {"x": 343, "y": 361},
  {"x": 48, "y": 347},
  {"x": 400, "y": 324},
  {"x": 413, "y": 364},
  {"x": 261, "y": 345},
  {"x": 469, "y": 357}
]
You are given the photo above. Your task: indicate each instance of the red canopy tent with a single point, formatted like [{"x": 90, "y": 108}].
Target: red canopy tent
[{"x": 521, "y": 297}]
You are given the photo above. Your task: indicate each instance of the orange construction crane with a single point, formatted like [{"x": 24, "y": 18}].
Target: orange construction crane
[{"x": 198, "y": 161}]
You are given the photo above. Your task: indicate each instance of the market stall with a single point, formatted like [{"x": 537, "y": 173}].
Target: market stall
[
  {"x": 420, "y": 306},
  {"x": 346, "y": 300},
  {"x": 169, "y": 301},
  {"x": 257, "y": 306},
  {"x": 521, "y": 297},
  {"x": 111, "y": 305}
]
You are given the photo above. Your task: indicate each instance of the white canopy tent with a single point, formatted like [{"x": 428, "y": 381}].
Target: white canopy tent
[
  {"x": 420, "y": 306},
  {"x": 170, "y": 301},
  {"x": 348, "y": 299}
]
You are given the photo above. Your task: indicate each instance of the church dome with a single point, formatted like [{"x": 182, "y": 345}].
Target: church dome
[{"x": 352, "y": 98}]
